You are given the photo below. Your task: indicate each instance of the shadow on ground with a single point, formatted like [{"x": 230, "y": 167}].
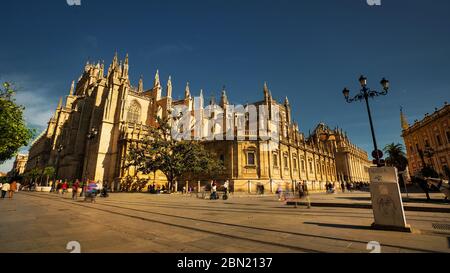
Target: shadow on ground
[
  {"x": 405, "y": 200},
  {"x": 339, "y": 226}
]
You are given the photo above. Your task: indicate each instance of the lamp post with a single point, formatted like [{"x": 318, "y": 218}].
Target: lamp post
[
  {"x": 58, "y": 154},
  {"x": 90, "y": 136},
  {"x": 364, "y": 94}
]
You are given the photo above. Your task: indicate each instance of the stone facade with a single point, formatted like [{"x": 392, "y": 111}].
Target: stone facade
[
  {"x": 432, "y": 134},
  {"x": 19, "y": 164},
  {"x": 90, "y": 133}
]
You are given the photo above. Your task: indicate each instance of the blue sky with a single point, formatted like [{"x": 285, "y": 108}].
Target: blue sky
[{"x": 306, "y": 50}]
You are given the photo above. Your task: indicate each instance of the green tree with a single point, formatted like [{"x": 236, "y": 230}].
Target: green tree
[
  {"x": 13, "y": 131},
  {"x": 176, "y": 159},
  {"x": 34, "y": 174},
  {"x": 48, "y": 172},
  {"x": 396, "y": 156}
]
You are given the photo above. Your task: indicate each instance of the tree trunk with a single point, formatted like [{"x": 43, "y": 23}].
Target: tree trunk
[{"x": 46, "y": 183}]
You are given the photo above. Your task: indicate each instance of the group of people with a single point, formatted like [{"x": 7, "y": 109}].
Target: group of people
[
  {"x": 354, "y": 186},
  {"x": 260, "y": 189},
  {"x": 90, "y": 189},
  {"x": 330, "y": 187},
  {"x": 214, "y": 190},
  {"x": 156, "y": 189},
  {"x": 9, "y": 188}
]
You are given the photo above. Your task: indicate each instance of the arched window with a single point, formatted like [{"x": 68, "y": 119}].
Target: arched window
[{"x": 134, "y": 112}]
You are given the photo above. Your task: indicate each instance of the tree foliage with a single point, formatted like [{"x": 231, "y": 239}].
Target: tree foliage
[
  {"x": 13, "y": 131},
  {"x": 396, "y": 156},
  {"x": 176, "y": 159},
  {"x": 49, "y": 172}
]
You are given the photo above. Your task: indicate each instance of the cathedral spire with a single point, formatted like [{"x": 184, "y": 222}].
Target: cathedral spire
[
  {"x": 169, "y": 87},
  {"x": 187, "y": 92},
  {"x": 266, "y": 91},
  {"x": 224, "y": 98},
  {"x": 403, "y": 120},
  {"x": 60, "y": 103},
  {"x": 141, "y": 85},
  {"x": 72, "y": 88},
  {"x": 115, "y": 60},
  {"x": 157, "y": 83},
  {"x": 286, "y": 101},
  {"x": 125, "y": 67}
]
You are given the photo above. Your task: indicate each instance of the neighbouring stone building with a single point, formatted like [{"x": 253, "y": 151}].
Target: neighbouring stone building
[
  {"x": 90, "y": 133},
  {"x": 19, "y": 164},
  {"x": 428, "y": 141}
]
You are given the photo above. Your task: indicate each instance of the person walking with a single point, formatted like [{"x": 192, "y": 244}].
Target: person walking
[
  {"x": 91, "y": 191},
  {"x": 279, "y": 192},
  {"x": 214, "y": 191},
  {"x": 342, "y": 187},
  {"x": 75, "y": 188},
  {"x": 12, "y": 189},
  {"x": 301, "y": 193},
  {"x": 99, "y": 187},
  {"x": 226, "y": 186},
  {"x": 5, "y": 189},
  {"x": 306, "y": 194},
  {"x": 64, "y": 187}
]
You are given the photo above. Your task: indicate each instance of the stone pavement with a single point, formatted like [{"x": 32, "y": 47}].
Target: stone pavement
[{"x": 44, "y": 222}]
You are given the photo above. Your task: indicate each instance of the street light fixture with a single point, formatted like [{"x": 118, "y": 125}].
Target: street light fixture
[
  {"x": 93, "y": 133},
  {"x": 364, "y": 94}
]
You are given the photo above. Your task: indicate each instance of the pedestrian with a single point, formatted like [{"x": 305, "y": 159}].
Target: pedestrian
[
  {"x": 99, "y": 187},
  {"x": 214, "y": 191},
  {"x": 343, "y": 187},
  {"x": 12, "y": 189},
  {"x": 306, "y": 193},
  {"x": 279, "y": 192},
  {"x": 91, "y": 191},
  {"x": 301, "y": 193},
  {"x": 75, "y": 187},
  {"x": 58, "y": 187},
  {"x": 5, "y": 189},
  {"x": 64, "y": 187},
  {"x": 226, "y": 186}
]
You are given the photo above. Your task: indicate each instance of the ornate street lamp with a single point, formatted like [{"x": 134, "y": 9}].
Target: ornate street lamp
[
  {"x": 364, "y": 94},
  {"x": 93, "y": 133},
  {"x": 58, "y": 154},
  {"x": 90, "y": 136}
]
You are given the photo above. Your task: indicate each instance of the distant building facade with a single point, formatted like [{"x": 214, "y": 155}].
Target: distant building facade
[
  {"x": 90, "y": 133},
  {"x": 428, "y": 141},
  {"x": 19, "y": 164}
]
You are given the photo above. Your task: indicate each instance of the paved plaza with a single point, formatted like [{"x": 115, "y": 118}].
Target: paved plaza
[{"x": 125, "y": 222}]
